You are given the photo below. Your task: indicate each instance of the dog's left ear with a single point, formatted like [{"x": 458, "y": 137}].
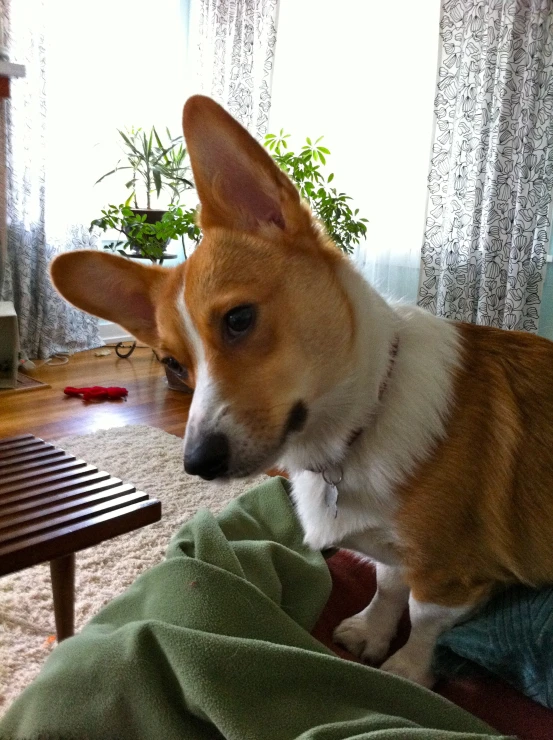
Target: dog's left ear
[{"x": 239, "y": 185}]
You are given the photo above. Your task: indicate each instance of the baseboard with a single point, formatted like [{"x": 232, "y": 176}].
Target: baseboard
[{"x": 112, "y": 333}]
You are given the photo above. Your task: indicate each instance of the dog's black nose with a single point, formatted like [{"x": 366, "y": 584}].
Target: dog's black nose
[{"x": 210, "y": 458}]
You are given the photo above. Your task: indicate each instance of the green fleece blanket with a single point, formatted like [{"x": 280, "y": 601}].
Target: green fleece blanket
[{"x": 214, "y": 643}]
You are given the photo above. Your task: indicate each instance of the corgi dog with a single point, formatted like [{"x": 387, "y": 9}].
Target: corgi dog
[{"x": 420, "y": 443}]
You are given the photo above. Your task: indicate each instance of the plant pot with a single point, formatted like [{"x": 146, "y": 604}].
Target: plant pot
[
  {"x": 153, "y": 215},
  {"x": 159, "y": 261},
  {"x": 175, "y": 383}
]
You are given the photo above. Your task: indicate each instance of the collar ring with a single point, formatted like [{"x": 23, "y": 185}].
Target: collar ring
[{"x": 333, "y": 476}]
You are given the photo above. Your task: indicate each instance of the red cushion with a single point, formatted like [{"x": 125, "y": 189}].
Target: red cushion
[{"x": 487, "y": 697}]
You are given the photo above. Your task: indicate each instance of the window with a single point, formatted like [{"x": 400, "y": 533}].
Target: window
[{"x": 110, "y": 64}]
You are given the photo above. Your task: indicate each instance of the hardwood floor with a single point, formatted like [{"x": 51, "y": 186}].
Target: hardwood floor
[{"x": 49, "y": 414}]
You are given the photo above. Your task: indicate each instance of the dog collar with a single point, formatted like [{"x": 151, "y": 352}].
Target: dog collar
[
  {"x": 391, "y": 361},
  {"x": 333, "y": 473}
]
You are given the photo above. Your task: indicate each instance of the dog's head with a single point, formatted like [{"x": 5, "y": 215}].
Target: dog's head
[{"x": 256, "y": 320}]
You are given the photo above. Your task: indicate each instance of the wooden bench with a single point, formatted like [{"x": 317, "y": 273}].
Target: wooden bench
[{"x": 52, "y": 505}]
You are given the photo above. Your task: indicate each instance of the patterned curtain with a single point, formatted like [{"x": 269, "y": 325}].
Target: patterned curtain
[
  {"x": 47, "y": 324},
  {"x": 491, "y": 176},
  {"x": 232, "y": 54}
]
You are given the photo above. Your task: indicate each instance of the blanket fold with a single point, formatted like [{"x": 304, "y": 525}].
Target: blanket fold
[{"x": 214, "y": 643}]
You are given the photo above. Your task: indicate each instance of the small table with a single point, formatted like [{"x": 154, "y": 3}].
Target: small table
[{"x": 52, "y": 505}]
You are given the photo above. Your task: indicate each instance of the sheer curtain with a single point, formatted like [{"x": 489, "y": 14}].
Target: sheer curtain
[
  {"x": 47, "y": 324},
  {"x": 363, "y": 75},
  {"x": 232, "y": 47},
  {"x": 91, "y": 68},
  {"x": 491, "y": 176}
]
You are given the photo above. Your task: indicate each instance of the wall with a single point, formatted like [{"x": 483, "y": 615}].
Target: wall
[{"x": 364, "y": 75}]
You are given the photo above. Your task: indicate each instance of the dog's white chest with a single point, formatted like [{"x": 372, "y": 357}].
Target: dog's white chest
[{"x": 338, "y": 517}]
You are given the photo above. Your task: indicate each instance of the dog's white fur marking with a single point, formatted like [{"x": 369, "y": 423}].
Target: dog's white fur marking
[
  {"x": 205, "y": 401},
  {"x": 368, "y": 634},
  {"x": 207, "y": 408},
  {"x": 428, "y": 621},
  {"x": 399, "y": 431}
]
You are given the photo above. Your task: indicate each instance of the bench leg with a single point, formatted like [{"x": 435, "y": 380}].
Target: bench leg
[{"x": 62, "y": 572}]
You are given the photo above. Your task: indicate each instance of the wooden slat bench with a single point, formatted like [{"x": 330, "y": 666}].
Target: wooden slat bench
[{"x": 52, "y": 505}]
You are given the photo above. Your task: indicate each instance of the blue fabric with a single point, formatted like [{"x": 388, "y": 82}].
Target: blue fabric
[{"x": 512, "y": 637}]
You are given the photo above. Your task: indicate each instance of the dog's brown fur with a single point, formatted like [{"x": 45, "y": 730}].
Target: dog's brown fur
[{"x": 499, "y": 512}]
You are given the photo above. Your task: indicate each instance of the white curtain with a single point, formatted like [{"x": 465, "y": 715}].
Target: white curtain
[
  {"x": 232, "y": 47},
  {"x": 491, "y": 176},
  {"x": 47, "y": 324},
  {"x": 91, "y": 68}
]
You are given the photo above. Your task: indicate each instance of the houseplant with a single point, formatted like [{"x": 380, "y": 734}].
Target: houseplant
[
  {"x": 157, "y": 166},
  {"x": 145, "y": 238},
  {"x": 154, "y": 166},
  {"x": 342, "y": 224}
]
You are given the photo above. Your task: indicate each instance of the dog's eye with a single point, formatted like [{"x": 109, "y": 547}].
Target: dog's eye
[
  {"x": 239, "y": 320},
  {"x": 175, "y": 366}
]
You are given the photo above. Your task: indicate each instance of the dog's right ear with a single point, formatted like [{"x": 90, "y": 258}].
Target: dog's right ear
[
  {"x": 112, "y": 288},
  {"x": 239, "y": 185}
]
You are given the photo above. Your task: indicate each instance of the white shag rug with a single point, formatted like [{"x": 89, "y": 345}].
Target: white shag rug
[{"x": 150, "y": 459}]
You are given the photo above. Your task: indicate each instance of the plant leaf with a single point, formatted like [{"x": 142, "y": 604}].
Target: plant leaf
[{"x": 157, "y": 182}]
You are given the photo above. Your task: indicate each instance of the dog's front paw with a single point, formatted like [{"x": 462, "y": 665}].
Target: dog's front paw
[
  {"x": 362, "y": 639},
  {"x": 405, "y": 665}
]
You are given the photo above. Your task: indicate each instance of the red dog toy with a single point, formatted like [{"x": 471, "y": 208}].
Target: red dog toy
[{"x": 97, "y": 393}]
